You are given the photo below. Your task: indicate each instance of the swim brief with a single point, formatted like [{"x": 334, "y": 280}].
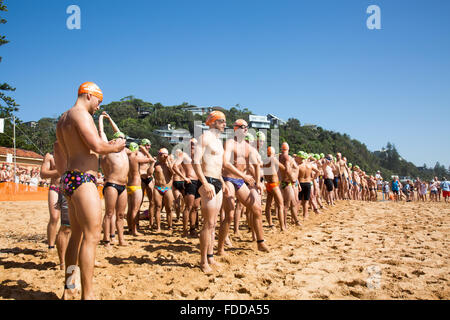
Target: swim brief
[
  {"x": 55, "y": 188},
  {"x": 147, "y": 180},
  {"x": 329, "y": 184},
  {"x": 192, "y": 188},
  {"x": 71, "y": 180},
  {"x": 305, "y": 194},
  {"x": 179, "y": 185},
  {"x": 132, "y": 189},
  {"x": 284, "y": 184},
  {"x": 236, "y": 182},
  {"x": 215, "y": 182},
  {"x": 163, "y": 190},
  {"x": 271, "y": 185},
  {"x": 336, "y": 182},
  {"x": 120, "y": 188}
]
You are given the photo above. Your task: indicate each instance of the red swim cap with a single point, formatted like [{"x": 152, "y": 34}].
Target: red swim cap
[
  {"x": 285, "y": 146},
  {"x": 91, "y": 88}
]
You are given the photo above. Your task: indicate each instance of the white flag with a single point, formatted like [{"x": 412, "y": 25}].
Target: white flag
[{"x": 2, "y": 125}]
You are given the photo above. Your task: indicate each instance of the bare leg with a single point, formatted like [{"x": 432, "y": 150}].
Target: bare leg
[
  {"x": 120, "y": 212},
  {"x": 62, "y": 240},
  {"x": 55, "y": 213}
]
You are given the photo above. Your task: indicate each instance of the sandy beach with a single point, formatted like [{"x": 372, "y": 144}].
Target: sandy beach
[{"x": 355, "y": 250}]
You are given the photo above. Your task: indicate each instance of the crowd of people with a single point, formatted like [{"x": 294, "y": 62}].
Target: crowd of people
[
  {"x": 24, "y": 175},
  {"x": 207, "y": 183},
  {"x": 416, "y": 190}
]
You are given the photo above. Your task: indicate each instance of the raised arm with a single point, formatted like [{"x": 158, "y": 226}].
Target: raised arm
[
  {"x": 111, "y": 121},
  {"x": 101, "y": 130}
]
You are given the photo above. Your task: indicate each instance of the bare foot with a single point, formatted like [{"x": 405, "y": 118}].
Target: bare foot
[
  {"x": 206, "y": 268},
  {"x": 262, "y": 247},
  {"x": 228, "y": 242},
  {"x": 221, "y": 253},
  {"x": 213, "y": 262},
  {"x": 137, "y": 234},
  {"x": 123, "y": 244}
]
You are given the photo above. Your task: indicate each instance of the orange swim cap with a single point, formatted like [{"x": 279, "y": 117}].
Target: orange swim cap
[
  {"x": 284, "y": 146},
  {"x": 270, "y": 151},
  {"x": 92, "y": 88},
  {"x": 214, "y": 116},
  {"x": 238, "y": 123}
]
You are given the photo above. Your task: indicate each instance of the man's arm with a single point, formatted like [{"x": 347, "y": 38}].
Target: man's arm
[
  {"x": 230, "y": 167},
  {"x": 111, "y": 121},
  {"x": 86, "y": 128},
  {"x": 46, "y": 172},
  {"x": 101, "y": 131}
]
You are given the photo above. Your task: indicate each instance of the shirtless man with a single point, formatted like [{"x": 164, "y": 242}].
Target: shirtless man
[
  {"x": 286, "y": 185},
  {"x": 305, "y": 176},
  {"x": 178, "y": 189},
  {"x": 115, "y": 167},
  {"x": 191, "y": 197},
  {"x": 48, "y": 171},
  {"x": 146, "y": 172},
  {"x": 343, "y": 181},
  {"x": 163, "y": 188},
  {"x": 134, "y": 188},
  {"x": 237, "y": 157},
  {"x": 53, "y": 167},
  {"x": 208, "y": 161},
  {"x": 271, "y": 167},
  {"x": 337, "y": 174},
  {"x": 80, "y": 143},
  {"x": 356, "y": 182}
]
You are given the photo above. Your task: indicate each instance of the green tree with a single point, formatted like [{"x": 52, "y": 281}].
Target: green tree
[{"x": 9, "y": 105}]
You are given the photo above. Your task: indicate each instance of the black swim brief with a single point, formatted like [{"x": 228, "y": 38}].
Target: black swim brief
[
  {"x": 192, "y": 188},
  {"x": 147, "y": 180},
  {"x": 215, "y": 182},
  {"x": 329, "y": 184},
  {"x": 118, "y": 187},
  {"x": 179, "y": 185},
  {"x": 305, "y": 194}
]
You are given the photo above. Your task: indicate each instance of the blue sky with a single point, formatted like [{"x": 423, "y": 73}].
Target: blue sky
[{"x": 312, "y": 60}]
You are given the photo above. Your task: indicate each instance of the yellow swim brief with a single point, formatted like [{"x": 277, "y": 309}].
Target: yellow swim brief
[{"x": 132, "y": 189}]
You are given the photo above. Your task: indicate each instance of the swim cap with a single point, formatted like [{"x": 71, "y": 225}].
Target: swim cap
[
  {"x": 249, "y": 137},
  {"x": 214, "y": 116},
  {"x": 118, "y": 135},
  {"x": 270, "y": 151},
  {"x": 145, "y": 142},
  {"x": 238, "y": 123},
  {"x": 91, "y": 88},
  {"x": 317, "y": 157},
  {"x": 350, "y": 165},
  {"x": 133, "y": 146},
  {"x": 284, "y": 146},
  {"x": 322, "y": 156},
  {"x": 261, "y": 136},
  {"x": 163, "y": 151}
]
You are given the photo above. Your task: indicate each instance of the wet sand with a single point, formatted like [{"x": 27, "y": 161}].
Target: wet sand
[{"x": 355, "y": 250}]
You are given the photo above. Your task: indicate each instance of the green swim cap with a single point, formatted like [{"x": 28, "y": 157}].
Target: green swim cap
[
  {"x": 118, "y": 135},
  {"x": 133, "y": 146},
  {"x": 322, "y": 156},
  {"x": 317, "y": 157},
  {"x": 145, "y": 142},
  {"x": 261, "y": 136},
  {"x": 249, "y": 137},
  {"x": 350, "y": 165}
]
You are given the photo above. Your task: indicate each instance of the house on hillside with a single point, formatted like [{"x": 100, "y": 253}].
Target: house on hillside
[
  {"x": 172, "y": 135},
  {"x": 275, "y": 122}
]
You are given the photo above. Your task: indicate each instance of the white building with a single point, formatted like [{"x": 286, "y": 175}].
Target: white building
[
  {"x": 173, "y": 135},
  {"x": 258, "y": 122}
]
